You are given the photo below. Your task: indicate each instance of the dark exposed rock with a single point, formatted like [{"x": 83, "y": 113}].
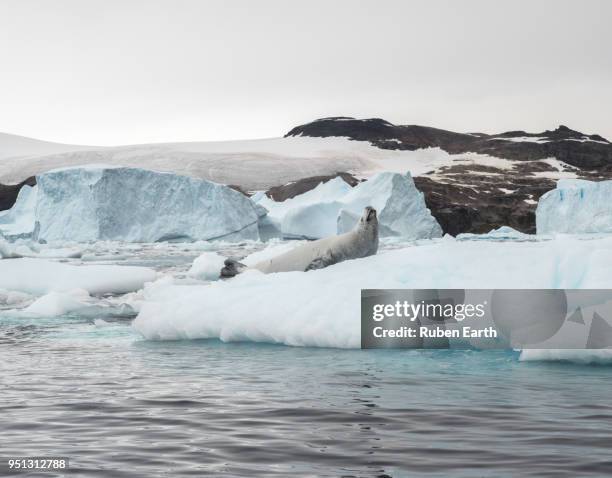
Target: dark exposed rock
[
  {"x": 9, "y": 192},
  {"x": 475, "y": 198},
  {"x": 575, "y": 148},
  {"x": 281, "y": 193},
  {"x": 458, "y": 209}
]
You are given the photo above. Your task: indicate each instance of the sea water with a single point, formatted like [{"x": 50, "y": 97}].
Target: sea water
[{"x": 91, "y": 389}]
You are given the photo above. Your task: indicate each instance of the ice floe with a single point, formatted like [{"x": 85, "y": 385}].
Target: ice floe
[
  {"x": 39, "y": 276},
  {"x": 322, "y": 308}
]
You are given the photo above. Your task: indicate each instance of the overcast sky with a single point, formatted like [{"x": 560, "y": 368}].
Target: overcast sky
[{"x": 129, "y": 71}]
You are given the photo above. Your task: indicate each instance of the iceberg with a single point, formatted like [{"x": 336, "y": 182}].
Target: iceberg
[
  {"x": 287, "y": 220},
  {"x": 401, "y": 207},
  {"x": 576, "y": 206},
  {"x": 19, "y": 221},
  {"x": 321, "y": 308},
  {"x": 92, "y": 203},
  {"x": 334, "y": 208}
]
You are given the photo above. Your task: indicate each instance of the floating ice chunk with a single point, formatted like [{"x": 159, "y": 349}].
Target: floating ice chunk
[
  {"x": 87, "y": 204},
  {"x": 58, "y": 303},
  {"x": 322, "y": 307},
  {"x": 503, "y": 233},
  {"x": 39, "y": 276},
  {"x": 7, "y": 251},
  {"x": 576, "y": 207},
  {"x": 11, "y": 297},
  {"x": 207, "y": 266},
  {"x": 580, "y": 356}
]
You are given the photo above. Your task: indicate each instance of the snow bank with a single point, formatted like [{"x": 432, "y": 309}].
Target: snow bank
[
  {"x": 335, "y": 207},
  {"x": 322, "y": 308},
  {"x": 38, "y": 277},
  {"x": 576, "y": 206},
  {"x": 93, "y": 203}
]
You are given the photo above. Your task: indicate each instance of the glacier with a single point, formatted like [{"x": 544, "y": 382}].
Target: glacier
[
  {"x": 86, "y": 204},
  {"x": 576, "y": 206},
  {"x": 334, "y": 208}
]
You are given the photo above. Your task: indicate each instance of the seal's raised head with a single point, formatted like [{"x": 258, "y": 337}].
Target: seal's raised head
[
  {"x": 369, "y": 216},
  {"x": 367, "y": 227}
]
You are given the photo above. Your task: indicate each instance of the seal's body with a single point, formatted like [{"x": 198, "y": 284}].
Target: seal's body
[{"x": 362, "y": 241}]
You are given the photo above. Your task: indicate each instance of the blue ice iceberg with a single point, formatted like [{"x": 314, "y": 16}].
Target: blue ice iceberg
[
  {"x": 94, "y": 203},
  {"x": 576, "y": 206}
]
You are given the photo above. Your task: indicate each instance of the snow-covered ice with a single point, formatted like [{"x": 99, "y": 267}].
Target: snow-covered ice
[
  {"x": 334, "y": 207},
  {"x": 58, "y": 303},
  {"x": 135, "y": 205},
  {"x": 576, "y": 206},
  {"x": 503, "y": 233},
  {"x": 322, "y": 308},
  {"x": 207, "y": 266},
  {"x": 39, "y": 276}
]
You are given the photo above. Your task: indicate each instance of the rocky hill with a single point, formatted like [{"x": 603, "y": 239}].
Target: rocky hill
[{"x": 501, "y": 186}]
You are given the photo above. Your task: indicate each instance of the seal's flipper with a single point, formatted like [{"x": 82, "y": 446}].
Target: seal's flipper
[
  {"x": 325, "y": 260},
  {"x": 232, "y": 268}
]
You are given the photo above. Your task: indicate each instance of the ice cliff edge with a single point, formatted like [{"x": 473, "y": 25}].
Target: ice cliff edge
[
  {"x": 94, "y": 203},
  {"x": 576, "y": 206}
]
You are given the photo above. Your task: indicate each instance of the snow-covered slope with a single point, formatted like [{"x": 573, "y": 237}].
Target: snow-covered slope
[
  {"x": 253, "y": 164},
  {"x": 12, "y": 146}
]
